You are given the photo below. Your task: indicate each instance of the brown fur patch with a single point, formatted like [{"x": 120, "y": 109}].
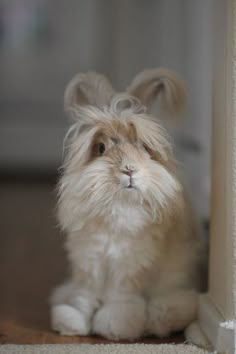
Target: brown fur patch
[{"x": 113, "y": 134}]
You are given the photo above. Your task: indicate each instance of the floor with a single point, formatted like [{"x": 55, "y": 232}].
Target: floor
[{"x": 32, "y": 262}]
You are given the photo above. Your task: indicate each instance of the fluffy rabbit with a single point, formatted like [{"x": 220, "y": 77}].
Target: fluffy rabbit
[{"x": 134, "y": 247}]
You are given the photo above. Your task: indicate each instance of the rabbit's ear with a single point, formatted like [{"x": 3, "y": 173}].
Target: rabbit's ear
[
  {"x": 151, "y": 84},
  {"x": 88, "y": 89}
]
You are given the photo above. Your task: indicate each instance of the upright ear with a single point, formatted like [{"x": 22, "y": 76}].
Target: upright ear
[
  {"x": 88, "y": 89},
  {"x": 161, "y": 83}
]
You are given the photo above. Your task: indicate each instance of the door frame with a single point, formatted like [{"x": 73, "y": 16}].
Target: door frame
[{"x": 217, "y": 308}]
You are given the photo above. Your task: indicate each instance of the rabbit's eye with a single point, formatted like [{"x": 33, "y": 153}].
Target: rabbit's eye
[
  {"x": 101, "y": 148},
  {"x": 146, "y": 148},
  {"x": 149, "y": 151}
]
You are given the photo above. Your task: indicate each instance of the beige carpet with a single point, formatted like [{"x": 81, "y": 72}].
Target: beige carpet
[{"x": 101, "y": 349}]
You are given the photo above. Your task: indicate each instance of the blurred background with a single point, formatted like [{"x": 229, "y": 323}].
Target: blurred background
[{"x": 44, "y": 43}]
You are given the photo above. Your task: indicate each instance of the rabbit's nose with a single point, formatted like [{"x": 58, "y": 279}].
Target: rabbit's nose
[{"x": 128, "y": 170}]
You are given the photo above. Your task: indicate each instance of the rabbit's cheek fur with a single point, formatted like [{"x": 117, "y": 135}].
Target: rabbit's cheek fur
[
  {"x": 162, "y": 184},
  {"x": 155, "y": 184}
]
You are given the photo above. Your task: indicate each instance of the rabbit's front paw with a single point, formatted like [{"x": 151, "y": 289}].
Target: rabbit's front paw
[
  {"x": 69, "y": 321},
  {"x": 120, "y": 320}
]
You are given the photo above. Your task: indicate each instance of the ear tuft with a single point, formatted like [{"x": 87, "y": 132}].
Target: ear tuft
[
  {"x": 160, "y": 83},
  {"x": 88, "y": 89}
]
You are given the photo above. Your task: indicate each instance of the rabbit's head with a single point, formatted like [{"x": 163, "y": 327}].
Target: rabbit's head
[{"x": 118, "y": 154}]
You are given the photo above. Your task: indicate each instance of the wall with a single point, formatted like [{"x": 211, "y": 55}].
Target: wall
[{"x": 223, "y": 231}]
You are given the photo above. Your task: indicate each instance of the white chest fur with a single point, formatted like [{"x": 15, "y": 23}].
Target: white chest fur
[
  {"x": 128, "y": 220},
  {"x": 108, "y": 254}
]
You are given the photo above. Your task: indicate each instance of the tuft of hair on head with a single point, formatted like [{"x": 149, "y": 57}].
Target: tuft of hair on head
[
  {"x": 123, "y": 103},
  {"x": 88, "y": 88},
  {"x": 163, "y": 84}
]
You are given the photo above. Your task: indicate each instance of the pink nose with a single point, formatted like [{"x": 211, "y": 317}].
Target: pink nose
[{"x": 128, "y": 170}]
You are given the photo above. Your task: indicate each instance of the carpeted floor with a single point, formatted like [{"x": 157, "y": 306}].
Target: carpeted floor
[{"x": 102, "y": 349}]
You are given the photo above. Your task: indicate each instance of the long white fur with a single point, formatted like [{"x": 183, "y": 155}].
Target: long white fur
[{"x": 136, "y": 255}]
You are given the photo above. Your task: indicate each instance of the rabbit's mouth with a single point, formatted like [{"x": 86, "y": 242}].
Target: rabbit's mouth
[
  {"x": 131, "y": 184},
  {"x": 128, "y": 180},
  {"x": 131, "y": 187}
]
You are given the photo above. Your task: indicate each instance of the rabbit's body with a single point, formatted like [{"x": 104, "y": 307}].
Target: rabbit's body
[{"x": 135, "y": 250}]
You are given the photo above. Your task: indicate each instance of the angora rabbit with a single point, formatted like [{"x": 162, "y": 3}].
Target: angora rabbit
[{"x": 133, "y": 244}]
